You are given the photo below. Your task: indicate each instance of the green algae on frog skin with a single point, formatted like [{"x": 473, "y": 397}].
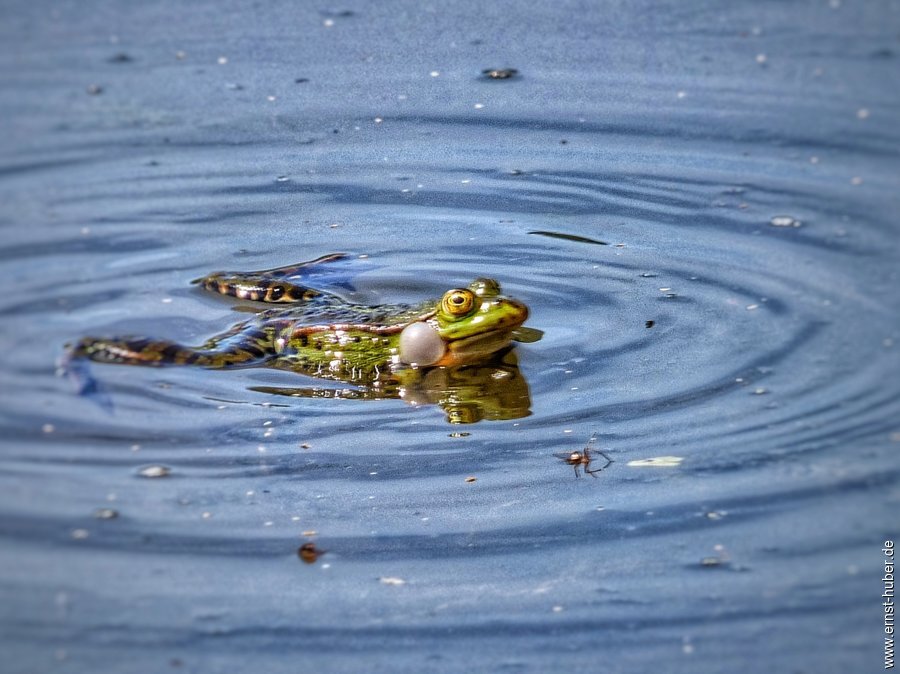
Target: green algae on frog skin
[{"x": 386, "y": 351}]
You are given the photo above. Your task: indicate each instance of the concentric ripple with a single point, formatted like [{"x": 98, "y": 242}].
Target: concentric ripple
[{"x": 710, "y": 253}]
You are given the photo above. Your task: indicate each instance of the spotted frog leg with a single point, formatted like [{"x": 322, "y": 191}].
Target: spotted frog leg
[
  {"x": 246, "y": 344},
  {"x": 267, "y": 285}
]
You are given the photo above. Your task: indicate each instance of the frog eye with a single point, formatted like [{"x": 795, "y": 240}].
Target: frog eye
[{"x": 458, "y": 302}]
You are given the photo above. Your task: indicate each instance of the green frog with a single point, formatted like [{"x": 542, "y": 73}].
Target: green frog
[{"x": 452, "y": 351}]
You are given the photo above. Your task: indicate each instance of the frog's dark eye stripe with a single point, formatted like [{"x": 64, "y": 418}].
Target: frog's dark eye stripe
[{"x": 458, "y": 302}]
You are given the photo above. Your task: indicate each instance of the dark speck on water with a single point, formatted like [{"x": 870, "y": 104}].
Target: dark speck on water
[
  {"x": 740, "y": 158},
  {"x": 500, "y": 73}
]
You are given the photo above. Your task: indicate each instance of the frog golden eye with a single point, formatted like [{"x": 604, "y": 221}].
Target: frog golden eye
[{"x": 458, "y": 302}]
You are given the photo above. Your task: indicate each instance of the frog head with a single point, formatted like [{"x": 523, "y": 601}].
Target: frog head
[{"x": 468, "y": 324}]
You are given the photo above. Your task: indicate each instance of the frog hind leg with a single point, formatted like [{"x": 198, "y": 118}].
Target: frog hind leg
[
  {"x": 231, "y": 350},
  {"x": 268, "y": 285}
]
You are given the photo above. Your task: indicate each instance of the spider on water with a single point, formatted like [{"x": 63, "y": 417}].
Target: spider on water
[{"x": 584, "y": 458}]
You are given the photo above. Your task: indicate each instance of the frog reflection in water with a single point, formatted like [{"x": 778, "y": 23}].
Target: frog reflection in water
[{"x": 453, "y": 351}]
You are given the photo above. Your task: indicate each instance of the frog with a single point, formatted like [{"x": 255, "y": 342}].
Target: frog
[{"x": 453, "y": 350}]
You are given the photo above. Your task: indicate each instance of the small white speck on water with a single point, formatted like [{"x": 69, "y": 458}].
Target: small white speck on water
[
  {"x": 282, "y": 179},
  {"x": 261, "y": 449},
  {"x": 657, "y": 462},
  {"x": 295, "y": 518},
  {"x": 391, "y": 580},
  {"x": 784, "y": 221},
  {"x": 271, "y": 99},
  {"x": 681, "y": 94},
  {"x": 154, "y": 471},
  {"x": 752, "y": 307},
  {"x": 222, "y": 60},
  {"x": 761, "y": 58},
  {"x": 268, "y": 433},
  {"x": 106, "y": 514},
  {"x": 378, "y": 120},
  {"x": 221, "y": 407},
  {"x": 813, "y": 160},
  {"x": 760, "y": 391},
  {"x": 250, "y": 492},
  {"x": 856, "y": 180},
  {"x": 206, "y": 515},
  {"x": 862, "y": 113},
  {"x": 48, "y": 428},
  {"x": 181, "y": 55},
  {"x": 687, "y": 649},
  {"x": 567, "y": 430},
  {"x": 268, "y": 523},
  {"x": 166, "y": 300},
  {"x": 478, "y": 106},
  {"x": 80, "y": 534},
  {"x": 435, "y": 73},
  {"x": 374, "y": 472},
  {"x": 328, "y": 23},
  {"x": 557, "y": 609},
  {"x": 85, "y": 231}
]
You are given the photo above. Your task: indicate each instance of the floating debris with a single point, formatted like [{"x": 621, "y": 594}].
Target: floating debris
[
  {"x": 309, "y": 553},
  {"x": 784, "y": 221},
  {"x": 155, "y": 471},
  {"x": 657, "y": 462},
  {"x": 459, "y": 434},
  {"x": 471, "y": 479},
  {"x": 94, "y": 89},
  {"x": 121, "y": 57},
  {"x": 391, "y": 580},
  {"x": 499, "y": 73},
  {"x": 649, "y": 324},
  {"x": 713, "y": 562},
  {"x": 106, "y": 514},
  {"x": 568, "y": 237},
  {"x": 80, "y": 534}
]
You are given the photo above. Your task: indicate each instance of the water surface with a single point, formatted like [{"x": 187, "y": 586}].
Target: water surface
[{"x": 728, "y": 174}]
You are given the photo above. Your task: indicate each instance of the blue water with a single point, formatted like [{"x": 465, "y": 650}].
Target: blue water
[{"x": 740, "y": 161}]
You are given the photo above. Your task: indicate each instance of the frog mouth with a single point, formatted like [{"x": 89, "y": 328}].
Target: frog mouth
[{"x": 482, "y": 344}]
